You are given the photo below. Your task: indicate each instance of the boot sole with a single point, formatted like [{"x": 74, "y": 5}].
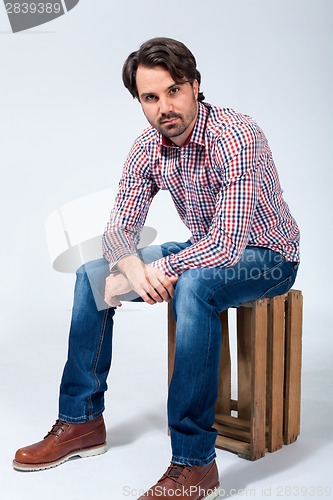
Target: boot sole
[
  {"x": 213, "y": 494},
  {"x": 87, "y": 452}
]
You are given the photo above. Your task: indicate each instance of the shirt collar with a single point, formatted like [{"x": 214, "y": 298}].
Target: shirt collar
[{"x": 198, "y": 133}]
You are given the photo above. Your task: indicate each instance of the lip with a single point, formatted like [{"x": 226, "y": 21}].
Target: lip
[{"x": 168, "y": 122}]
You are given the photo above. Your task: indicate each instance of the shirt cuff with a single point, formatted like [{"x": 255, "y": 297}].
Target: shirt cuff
[{"x": 164, "y": 265}]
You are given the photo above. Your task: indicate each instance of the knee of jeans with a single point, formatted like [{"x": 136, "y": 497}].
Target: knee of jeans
[
  {"x": 150, "y": 253},
  {"x": 189, "y": 286}
]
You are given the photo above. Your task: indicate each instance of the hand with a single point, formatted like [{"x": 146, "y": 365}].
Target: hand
[
  {"x": 147, "y": 281},
  {"x": 115, "y": 284}
]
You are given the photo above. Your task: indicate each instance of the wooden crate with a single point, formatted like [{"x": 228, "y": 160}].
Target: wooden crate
[{"x": 266, "y": 414}]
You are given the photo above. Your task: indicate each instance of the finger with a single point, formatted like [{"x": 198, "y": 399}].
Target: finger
[
  {"x": 162, "y": 292},
  {"x": 168, "y": 285},
  {"x": 155, "y": 295},
  {"x": 162, "y": 285},
  {"x": 147, "y": 298},
  {"x": 151, "y": 296}
]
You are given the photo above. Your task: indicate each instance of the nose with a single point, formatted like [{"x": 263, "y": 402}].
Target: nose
[{"x": 165, "y": 105}]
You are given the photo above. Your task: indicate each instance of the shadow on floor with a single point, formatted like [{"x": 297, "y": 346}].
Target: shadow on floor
[{"x": 125, "y": 433}]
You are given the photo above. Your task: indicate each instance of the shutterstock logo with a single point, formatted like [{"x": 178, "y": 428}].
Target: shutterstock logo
[{"x": 24, "y": 15}]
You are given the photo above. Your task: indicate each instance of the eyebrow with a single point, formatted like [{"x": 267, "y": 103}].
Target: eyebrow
[{"x": 145, "y": 94}]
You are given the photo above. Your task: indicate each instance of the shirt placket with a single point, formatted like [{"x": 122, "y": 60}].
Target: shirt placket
[{"x": 187, "y": 167}]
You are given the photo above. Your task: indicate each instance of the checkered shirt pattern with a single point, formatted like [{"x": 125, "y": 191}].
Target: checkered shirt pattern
[{"x": 225, "y": 188}]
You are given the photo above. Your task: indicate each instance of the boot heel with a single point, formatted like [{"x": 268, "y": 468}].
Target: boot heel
[
  {"x": 92, "y": 452},
  {"x": 212, "y": 495}
]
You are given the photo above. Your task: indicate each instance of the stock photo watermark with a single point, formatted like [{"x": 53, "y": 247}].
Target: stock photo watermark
[
  {"x": 268, "y": 491},
  {"x": 24, "y": 14}
]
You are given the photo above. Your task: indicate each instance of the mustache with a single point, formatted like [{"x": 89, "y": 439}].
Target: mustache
[{"x": 168, "y": 116}]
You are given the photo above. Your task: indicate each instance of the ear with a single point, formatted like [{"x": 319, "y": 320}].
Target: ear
[{"x": 195, "y": 86}]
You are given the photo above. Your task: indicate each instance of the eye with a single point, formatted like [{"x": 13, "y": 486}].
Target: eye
[
  {"x": 174, "y": 90},
  {"x": 150, "y": 97}
]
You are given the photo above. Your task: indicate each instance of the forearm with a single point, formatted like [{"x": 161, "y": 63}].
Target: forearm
[{"x": 129, "y": 264}]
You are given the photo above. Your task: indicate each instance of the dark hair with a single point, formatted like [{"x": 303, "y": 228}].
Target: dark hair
[{"x": 172, "y": 54}]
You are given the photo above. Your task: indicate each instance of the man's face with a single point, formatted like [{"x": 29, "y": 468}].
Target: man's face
[{"x": 170, "y": 107}]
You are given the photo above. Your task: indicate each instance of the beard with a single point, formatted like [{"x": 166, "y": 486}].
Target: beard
[
  {"x": 180, "y": 124},
  {"x": 174, "y": 129}
]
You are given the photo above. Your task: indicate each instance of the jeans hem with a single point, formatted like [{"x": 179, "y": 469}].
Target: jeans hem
[
  {"x": 80, "y": 420},
  {"x": 193, "y": 462}
]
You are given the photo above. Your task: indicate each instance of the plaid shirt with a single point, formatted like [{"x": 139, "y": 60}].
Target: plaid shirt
[{"x": 224, "y": 185}]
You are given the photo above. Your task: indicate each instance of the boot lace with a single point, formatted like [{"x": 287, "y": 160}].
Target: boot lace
[
  {"x": 177, "y": 473},
  {"x": 58, "y": 426}
]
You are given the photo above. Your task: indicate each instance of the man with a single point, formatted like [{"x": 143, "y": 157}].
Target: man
[{"x": 218, "y": 167}]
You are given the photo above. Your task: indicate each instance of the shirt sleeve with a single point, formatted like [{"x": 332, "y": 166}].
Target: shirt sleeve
[
  {"x": 241, "y": 164},
  {"x": 135, "y": 194}
]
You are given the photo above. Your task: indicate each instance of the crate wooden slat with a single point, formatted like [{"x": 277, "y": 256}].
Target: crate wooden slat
[
  {"x": 233, "y": 433},
  {"x": 233, "y": 445},
  {"x": 258, "y": 379},
  {"x": 275, "y": 372},
  {"x": 230, "y": 421},
  {"x": 293, "y": 363}
]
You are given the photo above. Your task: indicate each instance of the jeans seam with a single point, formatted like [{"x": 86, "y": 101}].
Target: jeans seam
[
  {"x": 281, "y": 283},
  {"x": 225, "y": 285},
  {"x": 205, "y": 374},
  {"x": 96, "y": 359}
]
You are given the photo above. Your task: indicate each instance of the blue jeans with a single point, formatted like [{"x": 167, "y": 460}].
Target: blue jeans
[{"x": 200, "y": 295}]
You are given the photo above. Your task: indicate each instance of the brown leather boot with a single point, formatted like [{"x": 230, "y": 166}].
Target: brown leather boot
[
  {"x": 63, "y": 441},
  {"x": 185, "y": 482}
]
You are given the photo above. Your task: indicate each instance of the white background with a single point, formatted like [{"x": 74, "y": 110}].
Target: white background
[{"x": 67, "y": 124}]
